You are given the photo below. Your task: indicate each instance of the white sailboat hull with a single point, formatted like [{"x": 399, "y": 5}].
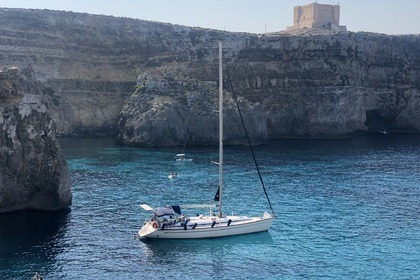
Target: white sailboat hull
[{"x": 206, "y": 227}]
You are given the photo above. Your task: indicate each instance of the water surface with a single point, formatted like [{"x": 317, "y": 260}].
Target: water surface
[{"x": 346, "y": 209}]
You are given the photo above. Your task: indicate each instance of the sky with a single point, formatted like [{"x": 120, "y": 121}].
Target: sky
[{"x": 256, "y": 16}]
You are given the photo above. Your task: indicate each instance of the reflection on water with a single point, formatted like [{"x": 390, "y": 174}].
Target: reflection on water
[
  {"x": 30, "y": 239},
  {"x": 154, "y": 248},
  {"x": 215, "y": 255}
]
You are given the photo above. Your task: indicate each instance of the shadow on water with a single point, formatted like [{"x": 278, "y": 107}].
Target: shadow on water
[
  {"x": 215, "y": 254},
  {"x": 160, "y": 247},
  {"x": 30, "y": 241}
]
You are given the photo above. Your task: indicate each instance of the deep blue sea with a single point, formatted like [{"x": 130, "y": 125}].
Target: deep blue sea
[{"x": 345, "y": 209}]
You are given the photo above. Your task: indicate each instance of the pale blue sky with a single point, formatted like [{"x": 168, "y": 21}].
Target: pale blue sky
[{"x": 381, "y": 16}]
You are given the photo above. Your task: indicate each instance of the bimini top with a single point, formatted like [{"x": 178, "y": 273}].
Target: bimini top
[{"x": 167, "y": 210}]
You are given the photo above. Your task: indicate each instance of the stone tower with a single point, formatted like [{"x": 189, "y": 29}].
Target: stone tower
[{"x": 317, "y": 16}]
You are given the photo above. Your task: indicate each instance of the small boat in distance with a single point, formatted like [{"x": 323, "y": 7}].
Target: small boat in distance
[
  {"x": 181, "y": 157},
  {"x": 168, "y": 222}
]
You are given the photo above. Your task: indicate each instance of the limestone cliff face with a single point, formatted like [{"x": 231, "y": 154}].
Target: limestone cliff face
[
  {"x": 33, "y": 172},
  {"x": 86, "y": 63},
  {"x": 333, "y": 84},
  {"x": 307, "y": 84},
  {"x": 169, "y": 112},
  {"x": 329, "y": 85}
]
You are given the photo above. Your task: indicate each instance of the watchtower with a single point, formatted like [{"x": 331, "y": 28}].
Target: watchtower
[{"x": 317, "y": 16}]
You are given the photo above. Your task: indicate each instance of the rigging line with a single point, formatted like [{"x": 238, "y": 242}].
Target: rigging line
[
  {"x": 186, "y": 132},
  {"x": 249, "y": 141}
]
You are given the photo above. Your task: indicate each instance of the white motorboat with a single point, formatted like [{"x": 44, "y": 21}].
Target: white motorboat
[{"x": 181, "y": 157}]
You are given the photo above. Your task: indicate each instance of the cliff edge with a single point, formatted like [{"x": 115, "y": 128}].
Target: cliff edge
[{"x": 33, "y": 172}]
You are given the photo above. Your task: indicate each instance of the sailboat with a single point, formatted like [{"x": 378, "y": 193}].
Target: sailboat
[{"x": 168, "y": 222}]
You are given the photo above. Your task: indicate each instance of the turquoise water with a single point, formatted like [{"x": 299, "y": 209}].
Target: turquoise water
[{"x": 346, "y": 209}]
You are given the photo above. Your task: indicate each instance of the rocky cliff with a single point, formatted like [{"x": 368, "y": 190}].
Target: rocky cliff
[
  {"x": 307, "y": 84},
  {"x": 170, "y": 112},
  {"x": 328, "y": 85},
  {"x": 33, "y": 172}
]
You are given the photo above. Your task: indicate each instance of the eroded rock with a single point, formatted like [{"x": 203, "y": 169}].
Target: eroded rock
[{"x": 33, "y": 172}]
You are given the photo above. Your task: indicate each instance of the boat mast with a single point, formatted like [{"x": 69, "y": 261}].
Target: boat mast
[{"x": 220, "y": 129}]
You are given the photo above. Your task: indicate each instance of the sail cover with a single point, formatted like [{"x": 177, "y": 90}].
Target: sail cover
[{"x": 167, "y": 210}]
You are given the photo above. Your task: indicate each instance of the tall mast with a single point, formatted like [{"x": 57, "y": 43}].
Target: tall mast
[{"x": 220, "y": 129}]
